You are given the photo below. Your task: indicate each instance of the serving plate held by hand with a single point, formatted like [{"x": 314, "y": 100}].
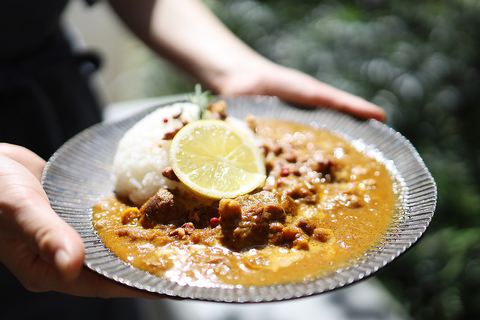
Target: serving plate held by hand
[{"x": 79, "y": 174}]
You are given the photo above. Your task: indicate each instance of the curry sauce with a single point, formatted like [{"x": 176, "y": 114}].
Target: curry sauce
[{"x": 324, "y": 205}]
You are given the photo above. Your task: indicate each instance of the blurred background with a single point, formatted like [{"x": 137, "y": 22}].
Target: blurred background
[{"x": 419, "y": 60}]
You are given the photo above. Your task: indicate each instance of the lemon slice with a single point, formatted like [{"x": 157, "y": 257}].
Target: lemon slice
[{"x": 215, "y": 159}]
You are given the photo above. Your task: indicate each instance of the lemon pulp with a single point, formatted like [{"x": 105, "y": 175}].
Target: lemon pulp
[{"x": 216, "y": 159}]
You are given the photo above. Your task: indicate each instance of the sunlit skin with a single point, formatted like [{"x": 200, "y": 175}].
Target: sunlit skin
[{"x": 40, "y": 249}]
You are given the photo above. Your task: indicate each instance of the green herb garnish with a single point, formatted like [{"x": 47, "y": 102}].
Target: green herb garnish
[{"x": 202, "y": 99}]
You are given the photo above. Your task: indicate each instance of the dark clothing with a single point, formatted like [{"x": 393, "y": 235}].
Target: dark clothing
[
  {"x": 19, "y": 304},
  {"x": 45, "y": 98},
  {"x": 25, "y": 26}
]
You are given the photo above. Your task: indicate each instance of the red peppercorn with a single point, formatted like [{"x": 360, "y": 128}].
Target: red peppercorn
[
  {"x": 214, "y": 222},
  {"x": 165, "y": 120},
  {"x": 285, "y": 171}
]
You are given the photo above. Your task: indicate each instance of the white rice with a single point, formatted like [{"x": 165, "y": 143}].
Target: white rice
[{"x": 143, "y": 154}]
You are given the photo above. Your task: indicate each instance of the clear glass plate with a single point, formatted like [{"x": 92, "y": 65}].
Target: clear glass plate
[{"x": 79, "y": 174}]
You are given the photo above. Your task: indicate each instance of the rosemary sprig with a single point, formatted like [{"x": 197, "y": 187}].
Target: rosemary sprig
[{"x": 202, "y": 99}]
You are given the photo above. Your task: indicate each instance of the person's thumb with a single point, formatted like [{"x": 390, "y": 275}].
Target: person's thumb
[{"x": 26, "y": 216}]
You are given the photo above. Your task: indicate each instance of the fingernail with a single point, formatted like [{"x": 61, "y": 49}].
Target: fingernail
[{"x": 62, "y": 260}]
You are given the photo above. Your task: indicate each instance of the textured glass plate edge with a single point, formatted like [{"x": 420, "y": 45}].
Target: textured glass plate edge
[{"x": 78, "y": 175}]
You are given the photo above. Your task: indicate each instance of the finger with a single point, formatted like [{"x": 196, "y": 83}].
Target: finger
[
  {"x": 90, "y": 284},
  {"x": 301, "y": 89},
  {"x": 39, "y": 276},
  {"x": 25, "y": 157},
  {"x": 26, "y": 215}
]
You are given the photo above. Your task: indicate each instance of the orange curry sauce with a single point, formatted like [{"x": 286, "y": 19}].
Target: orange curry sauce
[{"x": 352, "y": 203}]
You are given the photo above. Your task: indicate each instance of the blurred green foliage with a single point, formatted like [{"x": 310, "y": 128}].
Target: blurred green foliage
[{"x": 420, "y": 61}]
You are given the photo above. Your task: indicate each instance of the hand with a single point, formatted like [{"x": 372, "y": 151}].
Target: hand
[
  {"x": 38, "y": 247},
  {"x": 296, "y": 88},
  {"x": 191, "y": 37}
]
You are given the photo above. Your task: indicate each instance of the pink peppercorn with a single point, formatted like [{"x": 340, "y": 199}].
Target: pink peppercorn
[
  {"x": 214, "y": 222},
  {"x": 285, "y": 171},
  {"x": 165, "y": 120}
]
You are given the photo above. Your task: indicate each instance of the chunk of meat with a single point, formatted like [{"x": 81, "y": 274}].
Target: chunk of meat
[
  {"x": 323, "y": 234},
  {"x": 251, "y": 121},
  {"x": 174, "y": 207},
  {"x": 170, "y": 174},
  {"x": 218, "y": 110},
  {"x": 307, "y": 225},
  {"x": 271, "y": 145},
  {"x": 185, "y": 230},
  {"x": 246, "y": 220},
  {"x": 289, "y": 236},
  {"x": 170, "y": 135},
  {"x": 161, "y": 208},
  {"x": 297, "y": 189}
]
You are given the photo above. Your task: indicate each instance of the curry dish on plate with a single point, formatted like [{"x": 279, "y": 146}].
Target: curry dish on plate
[{"x": 324, "y": 204}]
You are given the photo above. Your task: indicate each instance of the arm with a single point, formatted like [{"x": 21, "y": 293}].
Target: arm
[
  {"x": 191, "y": 37},
  {"x": 38, "y": 247}
]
